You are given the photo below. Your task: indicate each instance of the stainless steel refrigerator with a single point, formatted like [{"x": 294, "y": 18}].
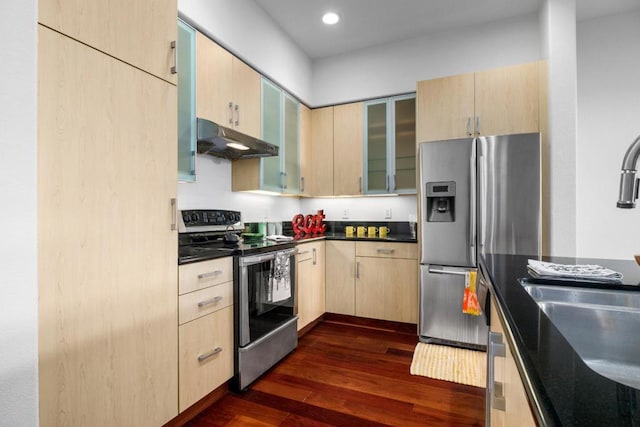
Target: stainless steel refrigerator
[{"x": 477, "y": 195}]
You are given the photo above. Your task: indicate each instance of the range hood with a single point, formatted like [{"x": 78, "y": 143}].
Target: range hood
[{"x": 221, "y": 141}]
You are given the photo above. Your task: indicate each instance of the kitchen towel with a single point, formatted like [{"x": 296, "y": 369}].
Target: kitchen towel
[
  {"x": 281, "y": 278},
  {"x": 453, "y": 364},
  {"x": 470, "y": 304},
  {"x": 585, "y": 272}
]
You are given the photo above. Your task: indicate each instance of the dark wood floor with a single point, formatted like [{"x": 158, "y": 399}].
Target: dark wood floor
[{"x": 348, "y": 375}]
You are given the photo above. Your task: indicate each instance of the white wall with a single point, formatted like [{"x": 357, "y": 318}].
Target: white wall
[
  {"x": 212, "y": 190},
  {"x": 18, "y": 244},
  {"x": 363, "y": 208},
  {"x": 558, "y": 23},
  {"x": 608, "y": 121},
  {"x": 243, "y": 28},
  {"x": 396, "y": 67}
]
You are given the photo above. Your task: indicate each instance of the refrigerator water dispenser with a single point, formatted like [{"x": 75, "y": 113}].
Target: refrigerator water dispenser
[{"x": 441, "y": 201}]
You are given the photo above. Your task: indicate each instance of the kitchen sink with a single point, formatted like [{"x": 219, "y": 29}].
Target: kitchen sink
[{"x": 601, "y": 325}]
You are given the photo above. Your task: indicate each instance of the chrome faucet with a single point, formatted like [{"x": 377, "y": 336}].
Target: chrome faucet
[{"x": 628, "y": 182}]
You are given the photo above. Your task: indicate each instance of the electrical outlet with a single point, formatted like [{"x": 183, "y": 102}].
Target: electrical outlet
[
  {"x": 345, "y": 213},
  {"x": 387, "y": 213}
]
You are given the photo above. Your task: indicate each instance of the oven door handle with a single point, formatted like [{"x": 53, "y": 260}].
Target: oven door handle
[{"x": 257, "y": 259}]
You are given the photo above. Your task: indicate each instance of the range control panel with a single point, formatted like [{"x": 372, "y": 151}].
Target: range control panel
[{"x": 209, "y": 220}]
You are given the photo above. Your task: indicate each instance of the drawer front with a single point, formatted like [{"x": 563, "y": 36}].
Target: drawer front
[
  {"x": 200, "y": 275},
  {"x": 206, "y": 355},
  {"x": 305, "y": 251},
  {"x": 387, "y": 250},
  {"x": 200, "y": 303}
]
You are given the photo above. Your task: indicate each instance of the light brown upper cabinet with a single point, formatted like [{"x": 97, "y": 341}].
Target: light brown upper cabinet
[
  {"x": 320, "y": 181},
  {"x": 347, "y": 149},
  {"x": 280, "y": 127},
  {"x": 134, "y": 32},
  {"x": 227, "y": 89},
  {"x": 494, "y": 102}
]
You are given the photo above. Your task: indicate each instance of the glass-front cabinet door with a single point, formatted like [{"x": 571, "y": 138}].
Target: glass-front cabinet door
[
  {"x": 291, "y": 157},
  {"x": 377, "y": 176},
  {"x": 390, "y": 145},
  {"x": 272, "y": 133},
  {"x": 186, "y": 103},
  {"x": 280, "y": 126},
  {"x": 404, "y": 156}
]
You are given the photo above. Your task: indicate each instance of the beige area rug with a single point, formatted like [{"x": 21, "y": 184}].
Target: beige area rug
[{"x": 450, "y": 364}]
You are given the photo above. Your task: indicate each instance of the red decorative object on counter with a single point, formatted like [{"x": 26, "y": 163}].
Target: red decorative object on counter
[{"x": 310, "y": 225}]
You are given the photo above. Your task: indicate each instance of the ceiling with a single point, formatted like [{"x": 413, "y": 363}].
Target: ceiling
[{"x": 367, "y": 23}]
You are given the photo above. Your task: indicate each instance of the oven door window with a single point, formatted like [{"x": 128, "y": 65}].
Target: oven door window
[{"x": 271, "y": 297}]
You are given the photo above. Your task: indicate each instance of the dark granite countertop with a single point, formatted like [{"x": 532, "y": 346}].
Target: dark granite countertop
[
  {"x": 341, "y": 236},
  {"x": 399, "y": 231},
  {"x": 568, "y": 391},
  {"x": 399, "y": 238}
]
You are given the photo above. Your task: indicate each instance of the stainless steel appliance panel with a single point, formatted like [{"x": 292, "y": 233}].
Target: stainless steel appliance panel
[
  {"x": 509, "y": 214},
  {"x": 259, "y": 356},
  {"x": 449, "y": 242},
  {"x": 441, "y": 317}
]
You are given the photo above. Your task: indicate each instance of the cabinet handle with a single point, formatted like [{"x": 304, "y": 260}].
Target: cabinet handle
[
  {"x": 477, "y": 125},
  {"x": 237, "y": 108},
  {"x": 175, "y": 214},
  {"x": 302, "y": 184},
  {"x": 302, "y": 252},
  {"x": 285, "y": 181},
  {"x": 210, "y": 274},
  {"x": 212, "y": 353},
  {"x": 174, "y": 46},
  {"x": 210, "y": 301},
  {"x": 385, "y": 251},
  {"x": 357, "y": 270},
  {"x": 314, "y": 256},
  {"x": 230, "y": 113},
  {"x": 360, "y": 185},
  {"x": 469, "y": 133},
  {"x": 387, "y": 183},
  {"x": 496, "y": 349}
]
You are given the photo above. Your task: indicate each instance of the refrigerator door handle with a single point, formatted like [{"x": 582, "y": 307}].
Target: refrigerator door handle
[
  {"x": 481, "y": 190},
  {"x": 446, "y": 271},
  {"x": 472, "y": 204}
]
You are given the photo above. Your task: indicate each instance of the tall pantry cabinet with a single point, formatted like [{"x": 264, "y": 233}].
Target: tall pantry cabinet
[{"x": 107, "y": 245}]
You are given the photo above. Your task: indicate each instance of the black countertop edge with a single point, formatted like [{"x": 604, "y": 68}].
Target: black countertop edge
[
  {"x": 209, "y": 257},
  {"x": 215, "y": 255},
  {"x": 562, "y": 388}
]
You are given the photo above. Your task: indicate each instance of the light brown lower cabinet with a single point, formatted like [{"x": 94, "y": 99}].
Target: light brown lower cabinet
[
  {"x": 387, "y": 281},
  {"x": 378, "y": 280},
  {"x": 206, "y": 355},
  {"x": 310, "y": 282},
  {"x": 341, "y": 277},
  {"x": 205, "y": 332},
  {"x": 508, "y": 401}
]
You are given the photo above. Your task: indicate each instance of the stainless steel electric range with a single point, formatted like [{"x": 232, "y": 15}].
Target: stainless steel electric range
[{"x": 265, "y": 320}]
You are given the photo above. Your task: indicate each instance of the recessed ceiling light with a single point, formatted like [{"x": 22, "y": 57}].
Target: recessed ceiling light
[{"x": 330, "y": 18}]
